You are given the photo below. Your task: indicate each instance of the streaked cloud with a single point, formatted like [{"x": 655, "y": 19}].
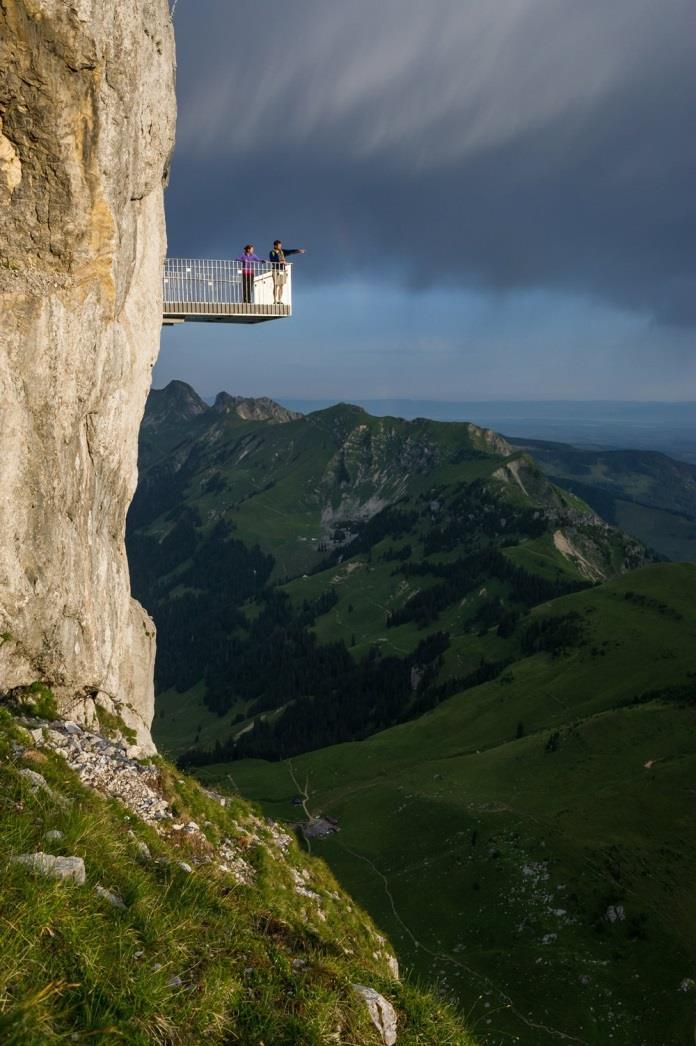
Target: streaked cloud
[{"x": 514, "y": 150}]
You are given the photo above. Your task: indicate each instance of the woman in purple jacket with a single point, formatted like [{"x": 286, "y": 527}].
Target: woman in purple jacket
[{"x": 248, "y": 257}]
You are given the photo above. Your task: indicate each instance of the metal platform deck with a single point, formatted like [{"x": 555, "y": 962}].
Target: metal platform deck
[{"x": 196, "y": 290}]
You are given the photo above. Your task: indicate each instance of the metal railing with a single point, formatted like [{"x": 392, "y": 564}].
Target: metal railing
[{"x": 195, "y": 288}]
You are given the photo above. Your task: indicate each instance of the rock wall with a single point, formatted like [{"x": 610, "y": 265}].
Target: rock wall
[{"x": 87, "y": 117}]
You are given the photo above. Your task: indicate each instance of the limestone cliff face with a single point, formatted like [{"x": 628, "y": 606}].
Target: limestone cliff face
[{"x": 87, "y": 118}]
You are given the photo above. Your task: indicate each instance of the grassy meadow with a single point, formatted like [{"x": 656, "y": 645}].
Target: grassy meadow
[{"x": 528, "y": 843}]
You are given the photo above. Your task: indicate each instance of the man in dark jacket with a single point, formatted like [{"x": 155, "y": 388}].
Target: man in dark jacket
[{"x": 277, "y": 258}]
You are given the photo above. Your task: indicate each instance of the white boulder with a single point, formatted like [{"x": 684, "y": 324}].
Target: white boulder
[
  {"x": 382, "y": 1013},
  {"x": 68, "y": 869}
]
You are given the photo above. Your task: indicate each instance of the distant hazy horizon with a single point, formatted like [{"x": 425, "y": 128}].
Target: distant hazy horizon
[
  {"x": 660, "y": 425},
  {"x": 329, "y": 401}
]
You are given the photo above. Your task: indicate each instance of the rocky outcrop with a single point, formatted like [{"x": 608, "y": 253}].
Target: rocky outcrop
[
  {"x": 489, "y": 441},
  {"x": 249, "y": 409},
  {"x": 86, "y": 130},
  {"x": 382, "y": 1013},
  {"x": 522, "y": 473},
  {"x": 67, "y": 869},
  {"x": 585, "y": 566}
]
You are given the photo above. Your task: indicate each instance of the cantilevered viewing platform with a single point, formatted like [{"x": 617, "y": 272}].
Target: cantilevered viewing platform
[{"x": 216, "y": 291}]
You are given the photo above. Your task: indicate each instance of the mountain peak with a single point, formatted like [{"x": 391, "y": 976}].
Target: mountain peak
[
  {"x": 175, "y": 403},
  {"x": 250, "y": 408},
  {"x": 342, "y": 410}
]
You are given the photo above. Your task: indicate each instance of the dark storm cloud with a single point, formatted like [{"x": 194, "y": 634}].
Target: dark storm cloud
[{"x": 514, "y": 144}]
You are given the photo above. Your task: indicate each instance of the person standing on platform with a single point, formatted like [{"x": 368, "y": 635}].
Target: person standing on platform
[
  {"x": 248, "y": 258},
  {"x": 280, "y": 275}
]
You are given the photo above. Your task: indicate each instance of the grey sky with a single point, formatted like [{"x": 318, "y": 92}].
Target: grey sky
[{"x": 515, "y": 177}]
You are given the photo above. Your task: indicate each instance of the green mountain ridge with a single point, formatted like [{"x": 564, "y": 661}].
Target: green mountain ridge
[
  {"x": 390, "y": 531},
  {"x": 338, "y": 464}
]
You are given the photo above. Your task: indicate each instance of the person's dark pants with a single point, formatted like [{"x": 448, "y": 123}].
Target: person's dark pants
[{"x": 247, "y": 286}]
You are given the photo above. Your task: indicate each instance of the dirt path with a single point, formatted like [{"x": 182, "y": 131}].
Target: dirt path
[{"x": 304, "y": 793}]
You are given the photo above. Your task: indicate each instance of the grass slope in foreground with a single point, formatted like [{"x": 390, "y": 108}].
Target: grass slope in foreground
[
  {"x": 530, "y": 844},
  {"x": 193, "y": 955}
]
